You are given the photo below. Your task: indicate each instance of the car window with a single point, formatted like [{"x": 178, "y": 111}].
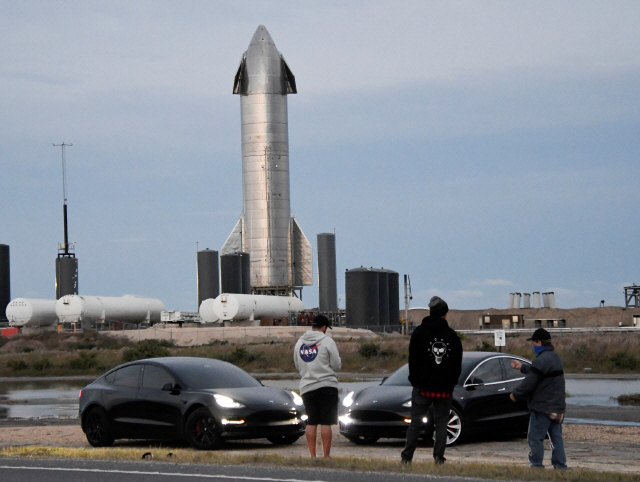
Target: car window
[
  {"x": 510, "y": 372},
  {"x": 488, "y": 372},
  {"x": 214, "y": 375},
  {"x": 400, "y": 377},
  {"x": 155, "y": 377},
  {"x": 127, "y": 376}
]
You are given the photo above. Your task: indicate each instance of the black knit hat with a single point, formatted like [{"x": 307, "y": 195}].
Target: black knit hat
[
  {"x": 320, "y": 321},
  {"x": 540, "y": 335},
  {"x": 438, "y": 306}
]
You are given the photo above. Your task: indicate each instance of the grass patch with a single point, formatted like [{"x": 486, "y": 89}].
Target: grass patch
[
  {"x": 187, "y": 456},
  {"x": 632, "y": 399}
]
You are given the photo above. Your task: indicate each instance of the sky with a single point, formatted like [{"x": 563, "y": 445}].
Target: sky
[{"x": 481, "y": 147}]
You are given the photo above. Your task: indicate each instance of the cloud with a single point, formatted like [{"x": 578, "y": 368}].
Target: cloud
[{"x": 491, "y": 282}]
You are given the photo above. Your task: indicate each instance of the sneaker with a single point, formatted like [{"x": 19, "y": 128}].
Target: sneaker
[{"x": 439, "y": 460}]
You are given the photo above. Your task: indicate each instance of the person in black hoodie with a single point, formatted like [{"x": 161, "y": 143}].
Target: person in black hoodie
[{"x": 435, "y": 363}]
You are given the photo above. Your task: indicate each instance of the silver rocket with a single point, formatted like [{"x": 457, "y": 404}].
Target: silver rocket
[{"x": 280, "y": 254}]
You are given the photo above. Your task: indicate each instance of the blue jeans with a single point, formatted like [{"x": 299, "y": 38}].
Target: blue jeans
[
  {"x": 539, "y": 426},
  {"x": 419, "y": 408}
]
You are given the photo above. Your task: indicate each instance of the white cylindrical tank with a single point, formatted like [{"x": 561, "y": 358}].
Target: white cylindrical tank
[
  {"x": 100, "y": 309},
  {"x": 31, "y": 312},
  {"x": 206, "y": 312},
  {"x": 552, "y": 300},
  {"x": 536, "y": 299},
  {"x": 237, "y": 307},
  {"x": 511, "y": 295},
  {"x": 527, "y": 300},
  {"x": 545, "y": 300},
  {"x": 516, "y": 300}
]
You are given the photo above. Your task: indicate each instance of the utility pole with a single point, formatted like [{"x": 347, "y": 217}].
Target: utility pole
[
  {"x": 407, "y": 296},
  {"x": 65, "y": 246}
]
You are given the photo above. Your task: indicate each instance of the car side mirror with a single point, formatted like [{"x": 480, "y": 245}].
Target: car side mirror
[{"x": 167, "y": 387}]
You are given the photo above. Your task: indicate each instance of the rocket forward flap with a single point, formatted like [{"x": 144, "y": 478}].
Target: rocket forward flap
[
  {"x": 290, "y": 78},
  {"x": 301, "y": 257},
  {"x": 233, "y": 244}
]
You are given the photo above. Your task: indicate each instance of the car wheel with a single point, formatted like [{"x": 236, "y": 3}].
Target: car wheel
[
  {"x": 201, "y": 430},
  {"x": 283, "y": 439},
  {"x": 96, "y": 426},
  {"x": 363, "y": 440},
  {"x": 455, "y": 427}
]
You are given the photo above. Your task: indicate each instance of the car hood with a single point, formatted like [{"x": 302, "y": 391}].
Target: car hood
[
  {"x": 379, "y": 396},
  {"x": 257, "y": 396}
]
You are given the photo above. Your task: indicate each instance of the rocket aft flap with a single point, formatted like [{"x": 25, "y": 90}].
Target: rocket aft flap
[{"x": 280, "y": 254}]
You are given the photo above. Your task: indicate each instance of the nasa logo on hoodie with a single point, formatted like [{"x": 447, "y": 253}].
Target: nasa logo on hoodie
[{"x": 309, "y": 353}]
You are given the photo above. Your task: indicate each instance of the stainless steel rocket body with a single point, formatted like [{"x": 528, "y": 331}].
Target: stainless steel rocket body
[{"x": 267, "y": 230}]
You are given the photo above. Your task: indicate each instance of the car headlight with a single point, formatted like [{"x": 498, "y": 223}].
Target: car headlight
[
  {"x": 297, "y": 399},
  {"x": 407, "y": 404},
  {"x": 348, "y": 400},
  {"x": 227, "y": 402}
]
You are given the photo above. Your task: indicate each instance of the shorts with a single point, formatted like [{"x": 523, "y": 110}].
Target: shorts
[{"x": 321, "y": 405}]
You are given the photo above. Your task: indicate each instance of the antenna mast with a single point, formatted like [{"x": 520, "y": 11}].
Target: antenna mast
[{"x": 65, "y": 246}]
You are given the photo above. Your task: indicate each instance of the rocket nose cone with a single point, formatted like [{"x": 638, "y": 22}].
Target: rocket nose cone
[{"x": 261, "y": 37}]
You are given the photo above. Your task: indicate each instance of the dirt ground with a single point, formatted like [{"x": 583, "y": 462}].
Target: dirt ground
[{"x": 594, "y": 447}]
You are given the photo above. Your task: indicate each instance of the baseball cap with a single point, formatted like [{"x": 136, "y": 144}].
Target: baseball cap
[
  {"x": 540, "y": 335},
  {"x": 320, "y": 320}
]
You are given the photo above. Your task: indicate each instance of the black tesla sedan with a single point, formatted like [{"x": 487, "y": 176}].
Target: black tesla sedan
[
  {"x": 200, "y": 400},
  {"x": 480, "y": 403}
]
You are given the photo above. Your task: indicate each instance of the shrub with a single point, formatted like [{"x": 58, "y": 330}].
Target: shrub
[
  {"x": 84, "y": 361},
  {"x": 147, "y": 349},
  {"x": 42, "y": 364},
  {"x": 368, "y": 350},
  {"x": 239, "y": 356},
  {"x": 485, "y": 346},
  {"x": 16, "y": 365},
  {"x": 623, "y": 361}
]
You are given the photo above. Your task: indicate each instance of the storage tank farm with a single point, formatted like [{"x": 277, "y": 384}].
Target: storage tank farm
[
  {"x": 372, "y": 298},
  {"x": 32, "y": 313},
  {"x": 91, "y": 311}
]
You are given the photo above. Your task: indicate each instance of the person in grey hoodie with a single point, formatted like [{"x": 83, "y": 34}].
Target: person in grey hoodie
[
  {"x": 543, "y": 388},
  {"x": 317, "y": 359}
]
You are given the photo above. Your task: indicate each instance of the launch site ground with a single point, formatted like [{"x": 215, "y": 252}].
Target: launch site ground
[{"x": 600, "y": 448}]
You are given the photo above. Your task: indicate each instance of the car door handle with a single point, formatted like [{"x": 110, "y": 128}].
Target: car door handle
[{"x": 502, "y": 389}]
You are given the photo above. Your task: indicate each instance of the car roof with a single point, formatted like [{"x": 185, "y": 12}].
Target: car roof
[{"x": 184, "y": 361}]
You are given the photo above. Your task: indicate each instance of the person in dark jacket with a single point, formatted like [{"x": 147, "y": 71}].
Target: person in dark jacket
[
  {"x": 435, "y": 363},
  {"x": 543, "y": 388}
]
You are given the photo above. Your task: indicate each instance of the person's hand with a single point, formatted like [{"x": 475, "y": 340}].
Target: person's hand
[
  {"x": 513, "y": 399},
  {"x": 516, "y": 364}
]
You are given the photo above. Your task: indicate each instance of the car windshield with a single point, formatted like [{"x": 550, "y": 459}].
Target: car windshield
[
  {"x": 214, "y": 375},
  {"x": 401, "y": 376}
]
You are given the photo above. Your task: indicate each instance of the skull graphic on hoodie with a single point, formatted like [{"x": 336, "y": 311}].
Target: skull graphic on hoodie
[{"x": 439, "y": 349}]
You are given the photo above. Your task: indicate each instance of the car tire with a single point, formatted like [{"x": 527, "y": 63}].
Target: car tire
[
  {"x": 202, "y": 431},
  {"x": 283, "y": 439},
  {"x": 96, "y": 426},
  {"x": 362, "y": 439},
  {"x": 455, "y": 427}
]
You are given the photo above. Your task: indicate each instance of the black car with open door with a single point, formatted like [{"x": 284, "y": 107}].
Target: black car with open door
[{"x": 480, "y": 403}]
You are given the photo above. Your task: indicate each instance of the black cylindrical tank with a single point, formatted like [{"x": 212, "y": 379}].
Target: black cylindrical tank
[
  {"x": 246, "y": 273},
  {"x": 362, "y": 303},
  {"x": 327, "y": 280},
  {"x": 383, "y": 296},
  {"x": 394, "y": 297},
  {"x": 5, "y": 281},
  {"x": 66, "y": 276},
  {"x": 231, "y": 273},
  {"x": 208, "y": 275}
]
